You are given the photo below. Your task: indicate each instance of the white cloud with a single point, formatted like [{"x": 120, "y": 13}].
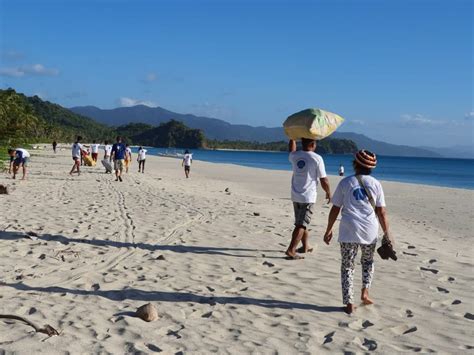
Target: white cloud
[
  {"x": 212, "y": 110},
  {"x": 129, "y": 102},
  {"x": 419, "y": 119},
  {"x": 11, "y": 72},
  {"x": 39, "y": 69},
  {"x": 29, "y": 70},
  {"x": 356, "y": 122},
  {"x": 149, "y": 78},
  {"x": 12, "y": 55},
  {"x": 469, "y": 115}
]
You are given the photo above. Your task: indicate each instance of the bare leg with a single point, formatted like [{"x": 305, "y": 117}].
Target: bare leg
[
  {"x": 24, "y": 173},
  {"x": 306, "y": 248},
  {"x": 296, "y": 237}
]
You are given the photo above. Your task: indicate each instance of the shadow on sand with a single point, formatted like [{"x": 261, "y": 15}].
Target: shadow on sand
[
  {"x": 162, "y": 296},
  {"x": 12, "y": 235}
]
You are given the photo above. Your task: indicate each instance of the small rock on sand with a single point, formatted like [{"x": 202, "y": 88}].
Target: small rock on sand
[
  {"x": 147, "y": 312},
  {"x": 3, "y": 189}
]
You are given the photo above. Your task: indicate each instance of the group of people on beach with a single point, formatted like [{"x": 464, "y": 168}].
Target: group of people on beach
[
  {"x": 360, "y": 199},
  {"x": 120, "y": 154}
]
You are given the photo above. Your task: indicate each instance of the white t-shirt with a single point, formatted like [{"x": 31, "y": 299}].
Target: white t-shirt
[
  {"x": 24, "y": 152},
  {"x": 359, "y": 222},
  {"x": 187, "y": 159},
  {"x": 76, "y": 150},
  {"x": 341, "y": 170},
  {"x": 308, "y": 167},
  {"x": 95, "y": 148},
  {"x": 108, "y": 150},
  {"x": 142, "y": 154},
  {"x": 128, "y": 153}
]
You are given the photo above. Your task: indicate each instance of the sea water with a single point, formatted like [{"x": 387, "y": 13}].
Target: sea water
[{"x": 457, "y": 173}]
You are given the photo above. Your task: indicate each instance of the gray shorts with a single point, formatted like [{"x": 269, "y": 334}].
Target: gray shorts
[
  {"x": 303, "y": 214},
  {"x": 118, "y": 164}
]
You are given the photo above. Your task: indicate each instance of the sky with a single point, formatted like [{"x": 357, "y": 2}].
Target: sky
[{"x": 400, "y": 71}]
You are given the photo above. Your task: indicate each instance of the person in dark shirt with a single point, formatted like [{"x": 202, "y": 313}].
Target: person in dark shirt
[{"x": 118, "y": 157}]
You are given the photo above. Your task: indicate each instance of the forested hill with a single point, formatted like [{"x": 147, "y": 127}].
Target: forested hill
[{"x": 30, "y": 119}]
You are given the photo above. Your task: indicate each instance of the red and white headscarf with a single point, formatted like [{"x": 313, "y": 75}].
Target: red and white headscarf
[{"x": 366, "y": 159}]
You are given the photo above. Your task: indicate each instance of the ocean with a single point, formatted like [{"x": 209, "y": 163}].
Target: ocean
[{"x": 458, "y": 173}]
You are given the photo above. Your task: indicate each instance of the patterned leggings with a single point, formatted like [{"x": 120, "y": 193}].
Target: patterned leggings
[{"x": 349, "y": 253}]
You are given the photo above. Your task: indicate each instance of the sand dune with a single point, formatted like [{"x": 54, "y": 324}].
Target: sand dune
[{"x": 212, "y": 263}]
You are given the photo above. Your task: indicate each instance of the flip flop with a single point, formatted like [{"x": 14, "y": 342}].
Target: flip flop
[{"x": 301, "y": 250}]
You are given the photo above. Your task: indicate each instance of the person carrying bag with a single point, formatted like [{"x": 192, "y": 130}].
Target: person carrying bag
[{"x": 361, "y": 199}]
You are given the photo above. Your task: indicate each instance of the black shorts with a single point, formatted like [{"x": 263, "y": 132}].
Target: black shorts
[{"x": 187, "y": 168}]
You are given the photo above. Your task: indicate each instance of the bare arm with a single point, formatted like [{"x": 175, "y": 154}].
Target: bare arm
[
  {"x": 382, "y": 216},
  {"x": 292, "y": 146},
  {"x": 331, "y": 220},
  {"x": 326, "y": 188}
]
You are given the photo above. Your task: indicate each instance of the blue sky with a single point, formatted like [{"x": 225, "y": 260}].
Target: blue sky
[{"x": 397, "y": 70}]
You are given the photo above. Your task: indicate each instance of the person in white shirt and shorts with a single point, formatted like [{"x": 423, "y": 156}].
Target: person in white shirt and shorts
[
  {"x": 308, "y": 169},
  {"x": 359, "y": 225},
  {"x": 141, "y": 157},
  {"x": 187, "y": 161}
]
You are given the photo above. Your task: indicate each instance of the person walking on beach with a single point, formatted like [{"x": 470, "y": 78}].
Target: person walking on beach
[
  {"x": 118, "y": 157},
  {"x": 187, "y": 161},
  {"x": 94, "y": 151},
  {"x": 128, "y": 157},
  {"x": 107, "y": 150},
  {"x": 308, "y": 168},
  {"x": 54, "y": 146},
  {"x": 18, "y": 157},
  {"x": 141, "y": 159},
  {"x": 362, "y": 201},
  {"x": 77, "y": 151},
  {"x": 341, "y": 170}
]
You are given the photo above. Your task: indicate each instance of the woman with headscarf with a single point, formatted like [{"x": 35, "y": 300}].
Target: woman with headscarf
[{"x": 361, "y": 199}]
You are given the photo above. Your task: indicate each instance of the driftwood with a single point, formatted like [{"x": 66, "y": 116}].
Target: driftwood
[{"x": 46, "y": 329}]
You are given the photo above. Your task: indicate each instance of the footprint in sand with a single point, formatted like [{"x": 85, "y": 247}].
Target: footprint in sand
[
  {"x": 370, "y": 344},
  {"x": 210, "y": 288},
  {"x": 434, "y": 271},
  {"x": 411, "y": 247},
  {"x": 410, "y": 254},
  {"x": 469, "y": 316},
  {"x": 456, "y": 302},
  {"x": 268, "y": 264},
  {"x": 241, "y": 279},
  {"x": 447, "y": 279},
  {"x": 409, "y": 313},
  {"x": 328, "y": 338},
  {"x": 442, "y": 290},
  {"x": 207, "y": 315},
  {"x": 403, "y": 329}
]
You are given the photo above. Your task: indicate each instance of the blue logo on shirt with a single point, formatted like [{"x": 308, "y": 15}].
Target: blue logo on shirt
[
  {"x": 301, "y": 164},
  {"x": 359, "y": 194}
]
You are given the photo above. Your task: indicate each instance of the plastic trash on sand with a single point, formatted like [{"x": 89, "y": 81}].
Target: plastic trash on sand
[{"x": 312, "y": 123}]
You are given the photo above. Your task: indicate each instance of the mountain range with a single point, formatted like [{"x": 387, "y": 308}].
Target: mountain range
[{"x": 214, "y": 128}]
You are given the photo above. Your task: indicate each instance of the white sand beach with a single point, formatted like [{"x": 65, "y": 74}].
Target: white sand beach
[{"x": 212, "y": 263}]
